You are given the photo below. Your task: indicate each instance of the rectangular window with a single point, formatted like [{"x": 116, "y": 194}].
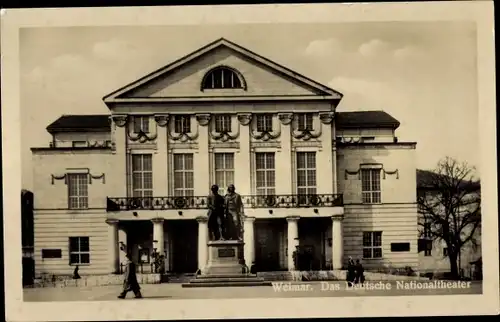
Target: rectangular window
[
  {"x": 306, "y": 174},
  {"x": 372, "y": 244},
  {"x": 182, "y": 124},
  {"x": 305, "y": 122},
  {"x": 79, "y": 144},
  {"x": 223, "y": 123},
  {"x": 428, "y": 248},
  {"x": 264, "y": 122},
  {"x": 78, "y": 197},
  {"x": 142, "y": 175},
  {"x": 425, "y": 245},
  {"x": 400, "y": 247},
  {"x": 141, "y": 123},
  {"x": 224, "y": 170},
  {"x": 445, "y": 251},
  {"x": 79, "y": 250},
  {"x": 183, "y": 175},
  {"x": 427, "y": 230},
  {"x": 370, "y": 185},
  {"x": 265, "y": 174},
  {"x": 51, "y": 253}
]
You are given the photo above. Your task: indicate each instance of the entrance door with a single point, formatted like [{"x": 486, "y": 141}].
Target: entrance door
[
  {"x": 184, "y": 245},
  {"x": 312, "y": 243},
  {"x": 267, "y": 245}
]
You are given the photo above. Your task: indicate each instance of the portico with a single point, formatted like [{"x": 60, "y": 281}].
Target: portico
[{"x": 132, "y": 236}]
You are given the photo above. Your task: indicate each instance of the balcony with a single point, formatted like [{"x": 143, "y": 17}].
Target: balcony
[{"x": 115, "y": 204}]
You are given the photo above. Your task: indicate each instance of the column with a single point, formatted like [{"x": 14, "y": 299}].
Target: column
[
  {"x": 119, "y": 148},
  {"x": 325, "y": 155},
  {"x": 337, "y": 242},
  {"x": 242, "y": 157},
  {"x": 160, "y": 157},
  {"x": 159, "y": 235},
  {"x": 202, "y": 242},
  {"x": 113, "y": 245},
  {"x": 201, "y": 158},
  {"x": 293, "y": 240},
  {"x": 122, "y": 240},
  {"x": 284, "y": 184},
  {"x": 249, "y": 239}
]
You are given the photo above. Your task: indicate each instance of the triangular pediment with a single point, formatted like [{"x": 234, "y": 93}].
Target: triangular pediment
[{"x": 260, "y": 77}]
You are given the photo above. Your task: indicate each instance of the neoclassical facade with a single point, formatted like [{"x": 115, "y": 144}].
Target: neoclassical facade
[{"x": 324, "y": 184}]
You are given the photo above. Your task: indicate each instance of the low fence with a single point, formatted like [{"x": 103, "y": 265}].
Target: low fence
[{"x": 93, "y": 280}]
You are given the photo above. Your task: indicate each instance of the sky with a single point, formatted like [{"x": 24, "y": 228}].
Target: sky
[{"x": 422, "y": 73}]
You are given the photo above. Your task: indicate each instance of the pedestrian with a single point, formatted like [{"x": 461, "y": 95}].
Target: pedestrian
[
  {"x": 360, "y": 277},
  {"x": 76, "y": 275},
  {"x": 350, "y": 272},
  {"x": 130, "y": 282}
]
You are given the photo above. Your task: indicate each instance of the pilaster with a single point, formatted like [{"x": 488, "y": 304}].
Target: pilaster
[
  {"x": 284, "y": 157},
  {"x": 119, "y": 147},
  {"x": 201, "y": 157},
  {"x": 293, "y": 240},
  {"x": 160, "y": 158},
  {"x": 337, "y": 242},
  {"x": 242, "y": 157},
  {"x": 325, "y": 179},
  {"x": 159, "y": 235},
  {"x": 249, "y": 240},
  {"x": 202, "y": 242},
  {"x": 113, "y": 246}
]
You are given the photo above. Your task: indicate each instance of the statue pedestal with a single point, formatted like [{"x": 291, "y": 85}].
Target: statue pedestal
[
  {"x": 225, "y": 268},
  {"x": 224, "y": 257}
]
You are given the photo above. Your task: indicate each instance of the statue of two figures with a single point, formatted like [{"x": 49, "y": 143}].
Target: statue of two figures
[{"x": 225, "y": 215}]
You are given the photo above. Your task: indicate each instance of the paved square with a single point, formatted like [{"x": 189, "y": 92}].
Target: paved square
[{"x": 287, "y": 289}]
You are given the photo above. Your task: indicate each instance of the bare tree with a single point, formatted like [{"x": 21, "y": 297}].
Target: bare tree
[{"x": 449, "y": 200}]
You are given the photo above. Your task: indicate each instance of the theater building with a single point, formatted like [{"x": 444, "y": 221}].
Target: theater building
[{"x": 323, "y": 183}]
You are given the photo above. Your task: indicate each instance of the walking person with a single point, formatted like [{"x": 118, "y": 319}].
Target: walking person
[
  {"x": 350, "y": 272},
  {"x": 360, "y": 276},
  {"x": 130, "y": 282}
]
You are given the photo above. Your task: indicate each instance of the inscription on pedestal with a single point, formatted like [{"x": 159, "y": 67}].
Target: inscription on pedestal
[{"x": 226, "y": 252}]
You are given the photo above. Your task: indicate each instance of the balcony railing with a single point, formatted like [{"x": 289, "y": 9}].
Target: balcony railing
[{"x": 197, "y": 202}]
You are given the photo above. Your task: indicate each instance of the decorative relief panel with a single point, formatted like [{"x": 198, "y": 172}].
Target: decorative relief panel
[
  {"x": 223, "y": 128},
  {"x": 265, "y": 127},
  {"x": 99, "y": 144},
  {"x": 371, "y": 166},
  {"x": 142, "y": 136},
  {"x": 86, "y": 171},
  {"x": 306, "y": 133},
  {"x": 224, "y": 145},
  {"x": 182, "y": 128}
]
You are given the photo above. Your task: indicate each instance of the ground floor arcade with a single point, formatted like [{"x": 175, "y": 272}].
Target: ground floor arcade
[{"x": 270, "y": 244}]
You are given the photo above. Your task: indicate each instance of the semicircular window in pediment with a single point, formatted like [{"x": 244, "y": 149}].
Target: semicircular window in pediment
[{"x": 223, "y": 77}]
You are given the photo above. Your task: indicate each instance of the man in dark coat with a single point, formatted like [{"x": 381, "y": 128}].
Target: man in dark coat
[
  {"x": 360, "y": 276},
  {"x": 350, "y": 272},
  {"x": 216, "y": 214},
  {"x": 130, "y": 282}
]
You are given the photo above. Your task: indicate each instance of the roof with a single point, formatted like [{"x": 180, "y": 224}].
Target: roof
[
  {"x": 100, "y": 123},
  {"x": 80, "y": 123},
  {"x": 425, "y": 177},
  {"x": 366, "y": 119},
  {"x": 325, "y": 91}
]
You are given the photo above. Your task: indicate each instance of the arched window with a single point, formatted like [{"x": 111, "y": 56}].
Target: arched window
[{"x": 222, "y": 77}]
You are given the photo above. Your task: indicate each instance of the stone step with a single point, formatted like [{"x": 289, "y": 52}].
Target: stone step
[
  {"x": 227, "y": 284},
  {"x": 226, "y": 276},
  {"x": 227, "y": 279}
]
